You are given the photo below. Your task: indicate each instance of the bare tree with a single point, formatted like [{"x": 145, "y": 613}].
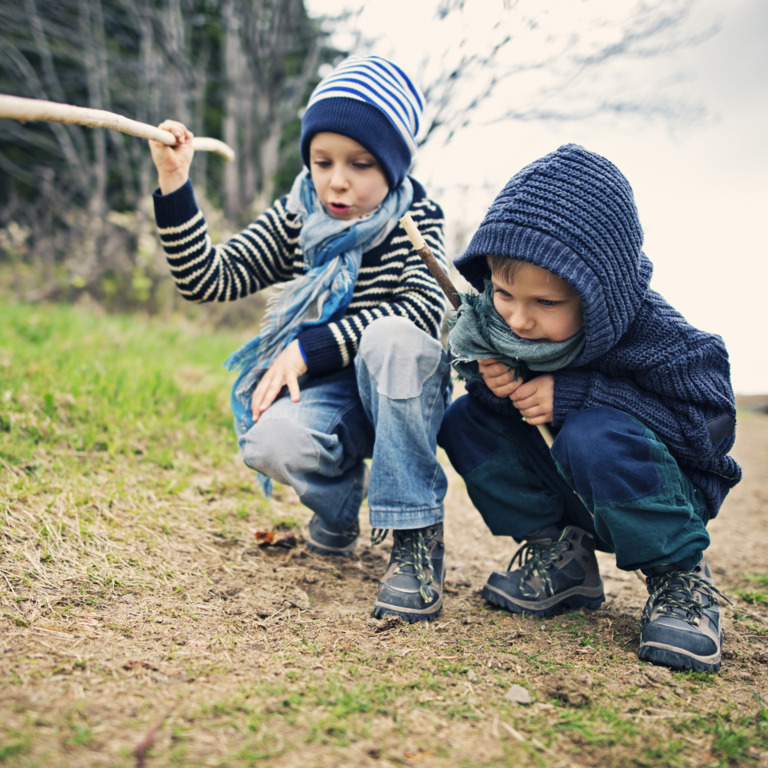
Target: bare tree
[
  {"x": 64, "y": 168},
  {"x": 238, "y": 69},
  {"x": 479, "y": 59},
  {"x": 241, "y": 70},
  {"x": 271, "y": 56}
]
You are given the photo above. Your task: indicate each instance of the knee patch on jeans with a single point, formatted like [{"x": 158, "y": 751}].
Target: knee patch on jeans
[
  {"x": 280, "y": 449},
  {"x": 399, "y": 356}
]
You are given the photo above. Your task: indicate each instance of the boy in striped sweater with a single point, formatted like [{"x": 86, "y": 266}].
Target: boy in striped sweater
[{"x": 348, "y": 364}]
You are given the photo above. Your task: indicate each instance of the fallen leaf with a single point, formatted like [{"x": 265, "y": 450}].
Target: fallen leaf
[{"x": 271, "y": 539}]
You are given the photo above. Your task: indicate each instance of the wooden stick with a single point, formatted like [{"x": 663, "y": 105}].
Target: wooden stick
[
  {"x": 32, "y": 110},
  {"x": 445, "y": 283},
  {"x": 429, "y": 259}
]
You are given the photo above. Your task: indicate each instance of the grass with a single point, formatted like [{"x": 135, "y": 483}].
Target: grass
[
  {"x": 76, "y": 383},
  {"x": 142, "y": 625},
  {"x": 756, "y": 593}
]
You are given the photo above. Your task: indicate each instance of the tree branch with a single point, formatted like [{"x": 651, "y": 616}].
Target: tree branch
[{"x": 31, "y": 110}]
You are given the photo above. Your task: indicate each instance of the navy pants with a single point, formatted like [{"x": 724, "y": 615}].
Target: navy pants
[{"x": 606, "y": 473}]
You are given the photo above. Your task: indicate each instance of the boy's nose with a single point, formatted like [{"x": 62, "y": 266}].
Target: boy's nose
[
  {"x": 339, "y": 179},
  {"x": 520, "y": 321}
]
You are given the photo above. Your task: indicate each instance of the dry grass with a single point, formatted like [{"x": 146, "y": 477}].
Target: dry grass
[{"x": 142, "y": 625}]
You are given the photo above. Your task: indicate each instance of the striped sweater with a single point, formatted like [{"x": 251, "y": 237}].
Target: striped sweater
[{"x": 393, "y": 280}]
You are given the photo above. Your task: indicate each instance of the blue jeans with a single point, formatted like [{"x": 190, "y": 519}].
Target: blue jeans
[
  {"x": 387, "y": 408},
  {"x": 607, "y": 473}
]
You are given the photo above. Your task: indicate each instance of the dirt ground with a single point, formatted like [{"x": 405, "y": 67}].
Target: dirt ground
[{"x": 218, "y": 644}]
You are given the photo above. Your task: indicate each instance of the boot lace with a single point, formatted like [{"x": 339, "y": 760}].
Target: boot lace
[
  {"x": 411, "y": 550},
  {"x": 674, "y": 592},
  {"x": 535, "y": 559},
  {"x": 378, "y": 535}
]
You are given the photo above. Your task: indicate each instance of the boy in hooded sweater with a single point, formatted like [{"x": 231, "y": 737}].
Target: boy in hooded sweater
[
  {"x": 348, "y": 365},
  {"x": 566, "y": 332}
]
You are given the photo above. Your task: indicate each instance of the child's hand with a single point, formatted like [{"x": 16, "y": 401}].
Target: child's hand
[
  {"x": 284, "y": 372},
  {"x": 172, "y": 162},
  {"x": 499, "y": 378},
  {"x": 535, "y": 399}
]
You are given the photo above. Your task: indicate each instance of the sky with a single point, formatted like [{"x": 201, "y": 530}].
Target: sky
[{"x": 700, "y": 182}]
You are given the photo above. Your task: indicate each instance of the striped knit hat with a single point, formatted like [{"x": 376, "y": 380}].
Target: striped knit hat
[
  {"x": 372, "y": 101},
  {"x": 573, "y": 213}
]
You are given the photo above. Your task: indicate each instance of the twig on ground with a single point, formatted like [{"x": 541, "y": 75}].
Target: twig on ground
[{"x": 143, "y": 746}]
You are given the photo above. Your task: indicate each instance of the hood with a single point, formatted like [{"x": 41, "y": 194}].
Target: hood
[{"x": 573, "y": 213}]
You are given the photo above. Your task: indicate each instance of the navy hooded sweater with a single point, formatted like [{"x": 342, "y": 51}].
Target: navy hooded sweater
[{"x": 573, "y": 213}]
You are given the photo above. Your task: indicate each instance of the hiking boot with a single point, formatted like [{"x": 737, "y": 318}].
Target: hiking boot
[
  {"x": 412, "y": 586},
  {"x": 323, "y": 541},
  {"x": 556, "y": 570},
  {"x": 680, "y": 626}
]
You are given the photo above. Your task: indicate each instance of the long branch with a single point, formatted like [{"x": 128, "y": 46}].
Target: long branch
[{"x": 32, "y": 110}]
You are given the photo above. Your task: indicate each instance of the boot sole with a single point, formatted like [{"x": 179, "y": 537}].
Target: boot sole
[
  {"x": 677, "y": 658},
  {"x": 573, "y": 599},
  {"x": 321, "y": 549},
  {"x": 382, "y": 610}
]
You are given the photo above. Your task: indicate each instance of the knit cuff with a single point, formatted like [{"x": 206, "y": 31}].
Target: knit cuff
[
  {"x": 321, "y": 353},
  {"x": 571, "y": 389},
  {"x": 500, "y": 406},
  {"x": 175, "y": 208}
]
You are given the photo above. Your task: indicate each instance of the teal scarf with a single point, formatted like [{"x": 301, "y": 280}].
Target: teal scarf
[{"x": 478, "y": 332}]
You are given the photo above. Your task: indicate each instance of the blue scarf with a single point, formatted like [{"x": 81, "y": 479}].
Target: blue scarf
[{"x": 333, "y": 250}]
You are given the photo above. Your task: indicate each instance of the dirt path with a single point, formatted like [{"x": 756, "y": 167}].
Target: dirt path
[{"x": 204, "y": 649}]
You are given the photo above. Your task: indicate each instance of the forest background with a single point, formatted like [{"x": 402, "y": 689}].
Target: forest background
[{"x": 673, "y": 92}]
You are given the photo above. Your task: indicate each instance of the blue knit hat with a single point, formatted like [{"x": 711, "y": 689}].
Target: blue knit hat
[
  {"x": 372, "y": 101},
  {"x": 573, "y": 213}
]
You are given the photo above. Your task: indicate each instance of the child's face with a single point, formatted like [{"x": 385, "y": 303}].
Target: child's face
[
  {"x": 538, "y": 305},
  {"x": 347, "y": 177}
]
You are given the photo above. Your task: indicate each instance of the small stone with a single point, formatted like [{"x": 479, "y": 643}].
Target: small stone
[
  {"x": 518, "y": 695},
  {"x": 298, "y": 598}
]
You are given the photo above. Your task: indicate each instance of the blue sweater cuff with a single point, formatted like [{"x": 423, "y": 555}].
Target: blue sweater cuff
[
  {"x": 319, "y": 348},
  {"x": 571, "y": 389},
  {"x": 176, "y": 207}
]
